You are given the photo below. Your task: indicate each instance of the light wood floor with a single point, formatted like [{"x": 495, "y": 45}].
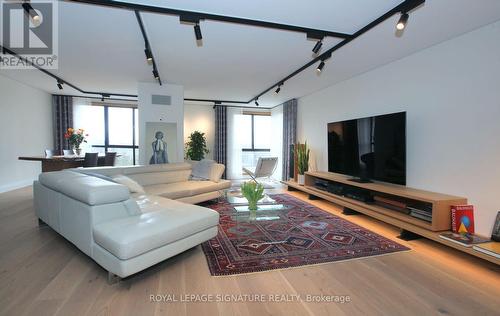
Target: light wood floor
[{"x": 43, "y": 274}]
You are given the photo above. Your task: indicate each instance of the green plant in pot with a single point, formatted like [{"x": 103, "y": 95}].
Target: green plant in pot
[
  {"x": 253, "y": 192},
  {"x": 302, "y": 161},
  {"x": 196, "y": 146}
]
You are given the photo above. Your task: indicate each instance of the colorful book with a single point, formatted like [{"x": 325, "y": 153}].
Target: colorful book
[
  {"x": 466, "y": 240},
  {"x": 491, "y": 249},
  {"x": 462, "y": 219}
]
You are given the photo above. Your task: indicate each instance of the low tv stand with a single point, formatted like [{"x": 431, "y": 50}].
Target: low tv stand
[{"x": 355, "y": 197}]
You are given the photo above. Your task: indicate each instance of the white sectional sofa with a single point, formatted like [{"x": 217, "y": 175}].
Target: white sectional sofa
[
  {"x": 127, "y": 232},
  {"x": 170, "y": 180}
]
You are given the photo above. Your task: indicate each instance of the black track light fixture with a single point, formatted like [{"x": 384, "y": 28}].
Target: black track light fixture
[
  {"x": 32, "y": 13},
  {"x": 320, "y": 66},
  {"x": 257, "y": 101},
  {"x": 149, "y": 55},
  {"x": 317, "y": 47},
  {"x": 278, "y": 89},
  {"x": 326, "y": 56},
  {"x": 197, "y": 32},
  {"x": 403, "y": 20},
  {"x": 155, "y": 74},
  {"x": 60, "y": 84}
]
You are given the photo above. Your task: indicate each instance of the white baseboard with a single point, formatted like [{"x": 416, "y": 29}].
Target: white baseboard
[{"x": 15, "y": 185}]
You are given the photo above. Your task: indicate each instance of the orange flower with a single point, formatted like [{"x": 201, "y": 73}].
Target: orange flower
[{"x": 70, "y": 130}]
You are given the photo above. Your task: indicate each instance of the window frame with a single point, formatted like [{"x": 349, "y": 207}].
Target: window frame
[
  {"x": 107, "y": 145},
  {"x": 252, "y": 115}
]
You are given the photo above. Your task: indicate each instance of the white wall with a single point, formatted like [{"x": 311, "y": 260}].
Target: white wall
[
  {"x": 200, "y": 118},
  {"x": 451, "y": 93},
  {"x": 25, "y": 130},
  {"x": 149, "y": 112}
]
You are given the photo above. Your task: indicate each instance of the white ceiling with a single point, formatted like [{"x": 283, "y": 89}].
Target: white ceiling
[{"x": 101, "y": 49}]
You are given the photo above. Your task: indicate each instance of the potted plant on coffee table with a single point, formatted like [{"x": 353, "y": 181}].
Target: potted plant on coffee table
[
  {"x": 196, "y": 146},
  {"x": 253, "y": 192},
  {"x": 302, "y": 162}
]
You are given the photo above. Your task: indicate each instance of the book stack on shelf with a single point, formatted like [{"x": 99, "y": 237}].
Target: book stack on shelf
[
  {"x": 490, "y": 248},
  {"x": 466, "y": 240},
  {"x": 462, "y": 224},
  {"x": 413, "y": 208},
  {"x": 421, "y": 213},
  {"x": 390, "y": 204}
]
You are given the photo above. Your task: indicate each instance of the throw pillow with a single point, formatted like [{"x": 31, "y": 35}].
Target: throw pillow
[
  {"x": 216, "y": 172},
  {"x": 202, "y": 169},
  {"x": 132, "y": 186}
]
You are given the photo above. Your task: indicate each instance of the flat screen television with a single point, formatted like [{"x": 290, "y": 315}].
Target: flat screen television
[{"x": 370, "y": 148}]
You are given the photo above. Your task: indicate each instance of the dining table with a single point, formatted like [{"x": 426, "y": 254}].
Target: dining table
[{"x": 56, "y": 163}]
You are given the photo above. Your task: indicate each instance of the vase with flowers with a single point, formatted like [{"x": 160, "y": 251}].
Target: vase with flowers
[{"x": 75, "y": 138}]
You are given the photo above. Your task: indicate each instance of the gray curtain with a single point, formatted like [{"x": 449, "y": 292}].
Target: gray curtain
[
  {"x": 62, "y": 111},
  {"x": 289, "y": 133},
  {"x": 220, "y": 148}
]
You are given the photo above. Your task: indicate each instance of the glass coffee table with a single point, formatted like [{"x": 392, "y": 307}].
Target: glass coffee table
[{"x": 267, "y": 209}]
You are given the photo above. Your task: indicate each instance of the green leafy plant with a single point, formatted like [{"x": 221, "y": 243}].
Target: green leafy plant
[
  {"x": 253, "y": 192},
  {"x": 196, "y": 147},
  {"x": 302, "y": 157}
]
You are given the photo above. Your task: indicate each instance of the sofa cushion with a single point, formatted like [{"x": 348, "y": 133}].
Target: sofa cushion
[
  {"x": 150, "y": 178},
  {"x": 84, "y": 188},
  {"x": 133, "y": 186},
  {"x": 129, "y": 237},
  {"x": 187, "y": 188}
]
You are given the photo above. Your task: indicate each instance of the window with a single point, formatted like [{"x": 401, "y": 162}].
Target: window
[
  {"x": 256, "y": 138},
  {"x": 257, "y": 132},
  {"x": 110, "y": 128}
]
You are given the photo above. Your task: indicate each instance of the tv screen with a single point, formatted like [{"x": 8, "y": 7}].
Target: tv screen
[{"x": 369, "y": 148}]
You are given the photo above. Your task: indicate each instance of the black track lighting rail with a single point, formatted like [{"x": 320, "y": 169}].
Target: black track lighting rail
[
  {"x": 60, "y": 80},
  {"x": 405, "y": 7},
  {"x": 196, "y": 16},
  {"x": 402, "y": 8},
  {"x": 148, "y": 46}
]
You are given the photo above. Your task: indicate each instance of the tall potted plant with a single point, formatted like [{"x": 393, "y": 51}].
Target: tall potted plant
[
  {"x": 302, "y": 161},
  {"x": 196, "y": 146}
]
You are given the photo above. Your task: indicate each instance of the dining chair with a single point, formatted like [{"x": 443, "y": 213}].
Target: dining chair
[
  {"x": 68, "y": 152},
  {"x": 109, "y": 159},
  {"x": 90, "y": 160},
  {"x": 49, "y": 153}
]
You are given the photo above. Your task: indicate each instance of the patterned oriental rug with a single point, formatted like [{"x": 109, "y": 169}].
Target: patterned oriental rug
[{"x": 303, "y": 235}]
